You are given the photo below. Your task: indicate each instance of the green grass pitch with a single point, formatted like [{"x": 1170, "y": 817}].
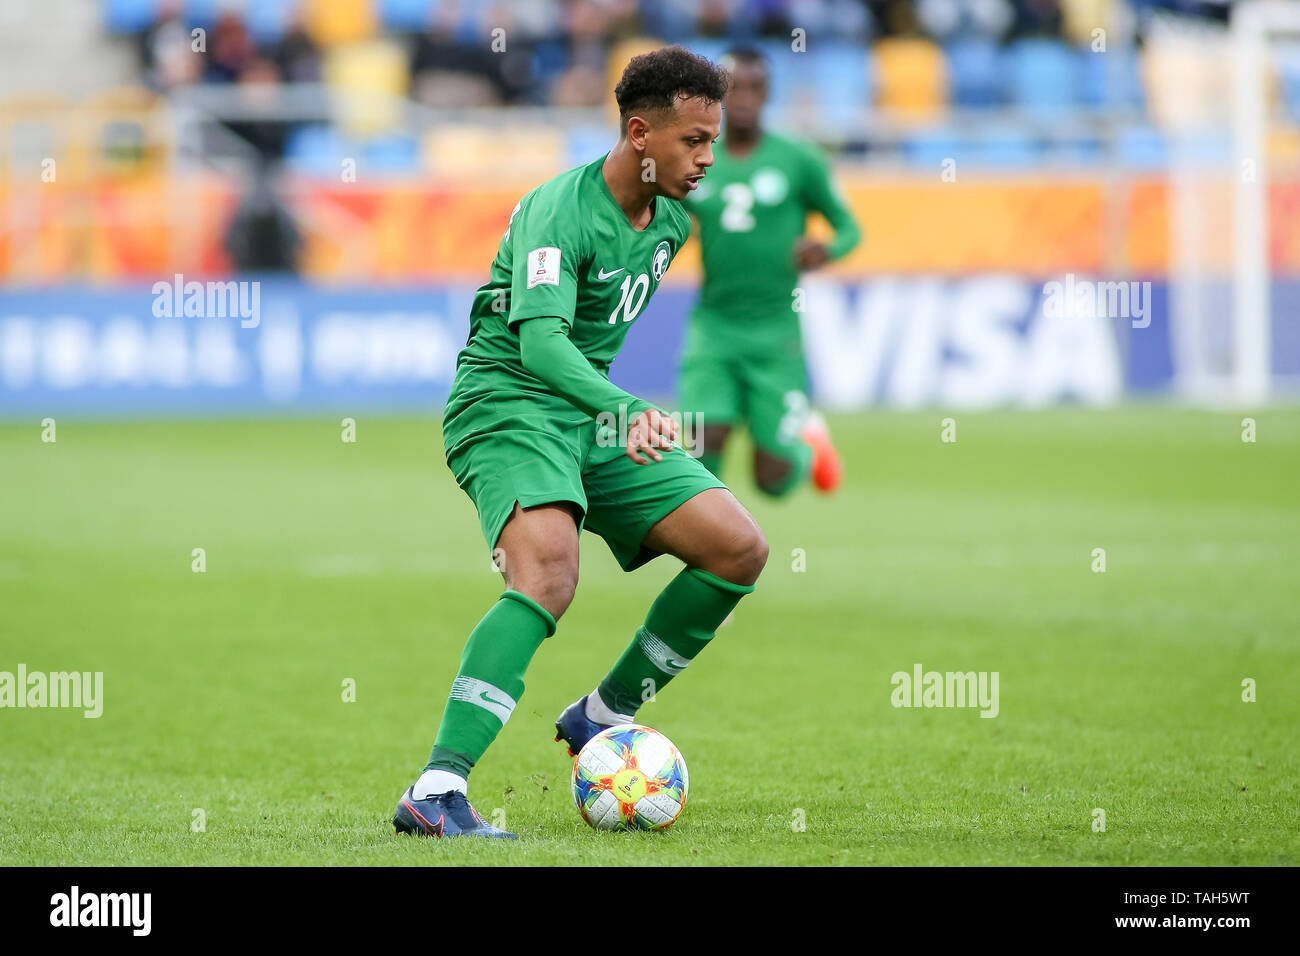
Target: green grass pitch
[{"x": 327, "y": 562}]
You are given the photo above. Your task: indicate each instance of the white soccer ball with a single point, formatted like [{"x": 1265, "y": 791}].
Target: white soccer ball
[{"x": 629, "y": 777}]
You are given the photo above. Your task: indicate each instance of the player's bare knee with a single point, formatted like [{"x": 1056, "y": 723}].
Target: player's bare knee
[
  {"x": 552, "y": 594},
  {"x": 757, "y": 554},
  {"x": 743, "y": 554},
  {"x": 549, "y": 577}
]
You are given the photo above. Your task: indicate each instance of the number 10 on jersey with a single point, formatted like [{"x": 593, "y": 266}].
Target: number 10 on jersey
[{"x": 632, "y": 296}]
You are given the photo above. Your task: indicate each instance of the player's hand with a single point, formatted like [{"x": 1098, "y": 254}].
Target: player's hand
[
  {"x": 651, "y": 430},
  {"x": 810, "y": 254}
]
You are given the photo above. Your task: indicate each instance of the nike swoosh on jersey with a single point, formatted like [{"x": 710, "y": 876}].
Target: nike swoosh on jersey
[{"x": 603, "y": 275}]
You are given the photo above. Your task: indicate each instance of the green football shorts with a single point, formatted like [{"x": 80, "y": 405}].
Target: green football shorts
[
  {"x": 619, "y": 499},
  {"x": 768, "y": 392}
]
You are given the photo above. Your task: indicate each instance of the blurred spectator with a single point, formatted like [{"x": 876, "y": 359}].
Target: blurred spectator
[
  {"x": 836, "y": 19},
  {"x": 895, "y": 18},
  {"x": 674, "y": 20},
  {"x": 296, "y": 55},
  {"x": 510, "y": 41},
  {"x": 773, "y": 18},
  {"x": 590, "y": 26},
  {"x": 715, "y": 16},
  {"x": 1037, "y": 18},
  {"x": 167, "y": 57},
  {"x": 477, "y": 53},
  {"x": 948, "y": 20},
  {"x": 538, "y": 19},
  {"x": 230, "y": 48},
  {"x": 446, "y": 72},
  {"x": 1217, "y": 10}
]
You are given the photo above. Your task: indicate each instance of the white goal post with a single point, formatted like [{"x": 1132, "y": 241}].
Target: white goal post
[
  {"x": 1210, "y": 92},
  {"x": 1254, "y": 24}
]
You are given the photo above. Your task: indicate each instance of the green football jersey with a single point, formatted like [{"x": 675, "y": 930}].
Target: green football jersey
[
  {"x": 568, "y": 251},
  {"x": 751, "y": 211}
]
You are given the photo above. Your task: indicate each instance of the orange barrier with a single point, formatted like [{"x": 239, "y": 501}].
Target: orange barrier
[{"x": 148, "y": 226}]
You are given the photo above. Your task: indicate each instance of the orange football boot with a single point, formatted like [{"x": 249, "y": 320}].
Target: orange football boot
[{"x": 827, "y": 470}]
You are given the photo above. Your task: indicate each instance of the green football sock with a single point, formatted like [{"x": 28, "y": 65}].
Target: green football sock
[
  {"x": 681, "y": 622},
  {"x": 490, "y": 680}
]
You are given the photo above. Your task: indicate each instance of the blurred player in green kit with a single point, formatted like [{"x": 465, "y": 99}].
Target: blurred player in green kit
[{"x": 743, "y": 359}]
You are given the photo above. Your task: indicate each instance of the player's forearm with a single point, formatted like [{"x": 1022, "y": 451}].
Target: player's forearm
[
  {"x": 847, "y": 235},
  {"x": 547, "y": 353}
]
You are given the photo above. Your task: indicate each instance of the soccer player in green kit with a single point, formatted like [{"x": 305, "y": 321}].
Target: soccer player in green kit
[
  {"x": 743, "y": 357},
  {"x": 527, "y": 433}
]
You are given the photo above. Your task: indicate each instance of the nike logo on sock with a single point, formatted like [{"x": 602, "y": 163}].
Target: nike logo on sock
[
  {"x": 480, "y": 693},
  {"x": 499, "y": 703}
]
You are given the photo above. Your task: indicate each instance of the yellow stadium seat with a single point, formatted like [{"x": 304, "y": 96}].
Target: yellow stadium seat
[
  {"x": 912, "y": 77},
  {"x": 332, "y": 22},
  {"x": 371, "y": 79},
  {"x": 1082, "y": 17}
]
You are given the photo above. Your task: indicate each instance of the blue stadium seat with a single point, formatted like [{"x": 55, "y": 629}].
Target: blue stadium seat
[
  {"x": 975, "y": 73},
  {"x": 929, "y": 148},
  {"x": 268, "y": 19},
  {"x": 788, "y": 69},
  {"x": 397, "y": 153},
  {"x": 709, "y": 47},
  {"x": 1111, "y": 79},
  {"x": 317, "y": 150},
  {"x": 130, "y": 16},
  {"x": 673, "y": 22},
  {"x": 204, "y": 13},
  {"x": 1007, "y": 148},
  {"x": 475, "y": 23},
  {"x": 1288, "y": 69},
  {"x": 1044, "y": 76},
  {"x": 408, "y": 16},
  {"x": 1083, "y": 151},
  {"x": 1141, "y": 147},
  {"x": 841, "y": 75}
]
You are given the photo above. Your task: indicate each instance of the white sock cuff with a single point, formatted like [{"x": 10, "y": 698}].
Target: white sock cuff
[
  {"x": 438, "y": 781},
  {"x": 598, "y": 713}
]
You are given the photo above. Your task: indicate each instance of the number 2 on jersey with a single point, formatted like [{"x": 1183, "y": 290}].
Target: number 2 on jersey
[{"x": 739, "y": 199}]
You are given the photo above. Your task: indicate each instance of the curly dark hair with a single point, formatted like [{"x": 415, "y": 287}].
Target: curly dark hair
[{"x": 657, "y": 80}]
